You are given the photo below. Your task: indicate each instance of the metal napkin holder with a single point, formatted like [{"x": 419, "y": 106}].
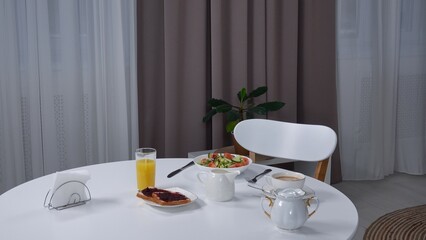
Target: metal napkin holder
[{"x": 74, "y": 199}]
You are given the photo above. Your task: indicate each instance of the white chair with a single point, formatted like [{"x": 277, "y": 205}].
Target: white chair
[{"x": 292, "y": 141}]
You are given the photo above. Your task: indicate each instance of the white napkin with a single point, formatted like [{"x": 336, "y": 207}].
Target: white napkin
[{"x": 66, "y": 187}]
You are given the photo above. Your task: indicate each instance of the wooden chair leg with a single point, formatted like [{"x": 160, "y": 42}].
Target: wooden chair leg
[
  {"x": 252, "y": 155},
  {"x": 321, "y": 169}
]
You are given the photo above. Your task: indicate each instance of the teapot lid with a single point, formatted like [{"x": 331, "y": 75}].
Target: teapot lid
[{"x": 291, "y": 193}]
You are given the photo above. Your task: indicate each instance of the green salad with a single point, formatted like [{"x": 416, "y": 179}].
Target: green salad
[{"x": 224, "y": 160}]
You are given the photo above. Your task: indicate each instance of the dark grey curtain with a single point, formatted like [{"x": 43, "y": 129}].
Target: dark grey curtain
[{"x": 192, "y": 50}]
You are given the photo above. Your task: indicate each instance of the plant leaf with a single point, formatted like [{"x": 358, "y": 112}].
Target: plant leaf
[
  {"x": 242, "y": 95},
  {"x": 231, "y": 125},
  {"x": 232, "y": 115},
  {"x": 258, "y": 91},
  {"x": 258, "y": 110},
  {"x": 223, "y": 108},
  {"x": 249, "y": 115},
  {"x": 209, "y": 115},
  {"x": 216, "y": 102},
  {"x": 272, "y": 106}
]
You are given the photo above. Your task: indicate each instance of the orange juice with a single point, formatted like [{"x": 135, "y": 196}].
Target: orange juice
[{"x": 145, "y": 173}]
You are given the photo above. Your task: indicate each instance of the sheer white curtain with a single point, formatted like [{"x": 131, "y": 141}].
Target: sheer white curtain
[
  {"x": 67, "y": 86},
  {"x": 381, "y": 87}
]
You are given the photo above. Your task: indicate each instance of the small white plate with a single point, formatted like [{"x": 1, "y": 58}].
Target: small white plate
[
  {"x": 267, "y": 190},
  {"x": 188, "y": 194}
]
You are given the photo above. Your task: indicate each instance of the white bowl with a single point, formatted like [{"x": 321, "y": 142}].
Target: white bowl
[{"x": 198, "y": 159}]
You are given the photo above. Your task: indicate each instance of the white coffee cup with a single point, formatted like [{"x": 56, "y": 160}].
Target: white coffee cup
[{"x": 286, "y": 179}]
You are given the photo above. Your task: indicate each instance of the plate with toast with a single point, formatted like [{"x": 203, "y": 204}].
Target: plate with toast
[{"x": 168, "y": 197}]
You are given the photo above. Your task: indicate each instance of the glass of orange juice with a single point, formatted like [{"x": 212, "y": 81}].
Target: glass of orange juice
[{"x": 145, "y": 167}]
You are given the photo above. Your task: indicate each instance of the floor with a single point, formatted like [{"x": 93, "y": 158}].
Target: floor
[{"x": 376, "y": 198}]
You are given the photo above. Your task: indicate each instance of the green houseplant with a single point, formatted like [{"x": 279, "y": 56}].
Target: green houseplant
[{"x": 246, "y": 108}]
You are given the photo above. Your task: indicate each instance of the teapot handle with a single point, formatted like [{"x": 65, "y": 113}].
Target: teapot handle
[
  {"x": 201, "y": 179},
  {"x": 270, "y": 204},
  {"x": 308, "y": 203}
]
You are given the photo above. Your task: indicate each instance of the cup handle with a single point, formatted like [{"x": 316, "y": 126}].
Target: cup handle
[
  {"x": 308, "y": 203},
  {"x": 270, "y": 204},
  {"x": 201, "y": 179}
]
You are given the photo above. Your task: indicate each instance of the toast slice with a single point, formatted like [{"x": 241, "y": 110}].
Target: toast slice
[{"x": 163, "y": 197}]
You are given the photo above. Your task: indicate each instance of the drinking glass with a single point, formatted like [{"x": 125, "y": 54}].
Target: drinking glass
[{"x": 145, "y": 167}]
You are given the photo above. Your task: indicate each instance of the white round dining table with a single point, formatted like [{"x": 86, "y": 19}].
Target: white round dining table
[{"x": 114, "y": 211}]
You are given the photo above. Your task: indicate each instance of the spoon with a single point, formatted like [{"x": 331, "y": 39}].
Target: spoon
[{"x": 254, "y": 180}]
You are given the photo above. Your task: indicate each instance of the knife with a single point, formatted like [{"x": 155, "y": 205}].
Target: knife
[{"x": 180, "y": 169}]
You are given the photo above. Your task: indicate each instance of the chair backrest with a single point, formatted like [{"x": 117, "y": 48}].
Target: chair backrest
[{"x": 294, "y": 141}]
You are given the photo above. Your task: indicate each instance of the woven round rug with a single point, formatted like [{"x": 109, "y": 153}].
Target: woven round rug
[{"x": 407, "y": 223}]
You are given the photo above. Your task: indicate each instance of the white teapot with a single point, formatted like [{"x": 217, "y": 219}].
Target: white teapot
[
  {"x": 219, "y": 184},
  {"x": 289, "y": 210}
]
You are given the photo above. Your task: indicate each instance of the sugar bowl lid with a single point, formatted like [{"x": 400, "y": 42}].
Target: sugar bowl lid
[{"x": 291, "y": 193}]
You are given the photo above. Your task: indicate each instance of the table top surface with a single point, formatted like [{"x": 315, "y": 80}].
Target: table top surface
[{"x": 116, "y": 213}]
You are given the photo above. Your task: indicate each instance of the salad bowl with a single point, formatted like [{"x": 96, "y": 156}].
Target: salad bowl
[{"x": 227, "y": 161}]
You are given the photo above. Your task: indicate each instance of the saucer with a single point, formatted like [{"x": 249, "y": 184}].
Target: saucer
[{"x": 268, "y": 189}]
